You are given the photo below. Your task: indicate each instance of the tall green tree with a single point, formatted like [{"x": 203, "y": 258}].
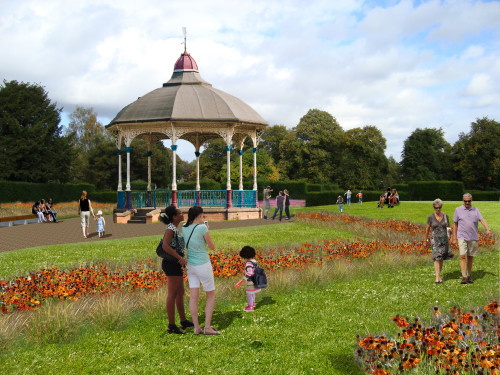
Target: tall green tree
[
  {"x": 87, "y": 130},
  {"x": 477, "y": 155},
  {"x": 363, "y": 162},
  {"x": 32, "y": 147},
  {"x": 271, "y": 139},
  {"x": 426, "y": 156},
  {"x": 314, "y": 152}
]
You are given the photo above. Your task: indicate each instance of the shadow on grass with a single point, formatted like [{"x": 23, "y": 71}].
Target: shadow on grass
[
  {"x": 344, "y": 364},
  {"x": 223, "y": 320},
  {"x": 457, "y": 275},
  {"x": 267, "y": 300}
]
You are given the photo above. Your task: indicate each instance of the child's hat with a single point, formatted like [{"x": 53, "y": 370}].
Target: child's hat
[{"x": 99, "y": 212}]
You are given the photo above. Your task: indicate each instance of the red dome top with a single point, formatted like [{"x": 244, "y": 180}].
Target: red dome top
[{"x": 185, "y": 63}]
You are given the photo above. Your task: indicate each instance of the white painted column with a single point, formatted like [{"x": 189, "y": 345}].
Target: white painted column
[
  {"x": 119, "y": 152},
  {"x": 241, "y": 169},
  {"x": 254, "y": 168},
  {"x": 149, "y": 153},
  {"x": 128, "y": 150},
  {"x": 174, "y": 166},
  {"x": 228, "y": 153},
  {"x": 197, "y": 153}
]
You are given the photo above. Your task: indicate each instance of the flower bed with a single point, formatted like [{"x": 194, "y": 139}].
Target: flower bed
[
  {"x": 454, "y": 343},
  {"x": 27, "y": 293}
]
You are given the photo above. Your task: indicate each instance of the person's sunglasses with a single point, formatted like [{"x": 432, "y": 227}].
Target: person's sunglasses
[
  {"x": 437, "y": 208},
  {"x": 467, "y": 201}
]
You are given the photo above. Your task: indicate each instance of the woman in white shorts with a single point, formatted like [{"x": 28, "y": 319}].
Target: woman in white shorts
[{"x": 199, "y": 269}]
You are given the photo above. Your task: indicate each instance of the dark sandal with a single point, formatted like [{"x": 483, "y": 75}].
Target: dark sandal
[
  {"x": 186, "y": 324},
  {"x": 172, "y": 328}
]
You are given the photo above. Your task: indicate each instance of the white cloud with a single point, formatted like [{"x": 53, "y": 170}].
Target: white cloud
[{"x": 398, "y": 66}]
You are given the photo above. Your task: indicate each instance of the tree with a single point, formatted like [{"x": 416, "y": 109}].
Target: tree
[
  {"x": 271, "y": 139},
  {"x": 426, "y": 156},
  {"x": 32, "y": 148},
  {"x": 477, "y": 155},
  {"x": 363, "y": 161},
  {"x": 213, "y": 160},
  {"x": 314, "y": 152},
  {"x": 87, "y": 131}
]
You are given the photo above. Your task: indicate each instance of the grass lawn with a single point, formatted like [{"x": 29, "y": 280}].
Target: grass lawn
[
  {"x": 413, "y": 211},
  {"x": 301, "y": 327}
]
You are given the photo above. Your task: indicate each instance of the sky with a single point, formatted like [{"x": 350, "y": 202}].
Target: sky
[{"x": 397, "y": 65}]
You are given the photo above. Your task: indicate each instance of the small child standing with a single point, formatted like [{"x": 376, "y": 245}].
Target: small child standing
[
  {"x": 101, "y": 223},
  {"x": 248, "y": 253}
]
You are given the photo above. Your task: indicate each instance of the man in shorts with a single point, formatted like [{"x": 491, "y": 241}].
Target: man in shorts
[{"x": 465, "y": 234}]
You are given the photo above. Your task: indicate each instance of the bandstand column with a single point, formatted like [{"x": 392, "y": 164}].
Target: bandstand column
[
  {"x": 174, "y": 174},
  {"x": 119, "y": 152},
  {"x": 149, "y": 153},
  {"x": 128, "y": 150},
  {"x": 254, "y": 168},
  {"x": 229, "y": 197},
  {"x": 241, "y": 168},
  {"x": 197, "y": 153}
]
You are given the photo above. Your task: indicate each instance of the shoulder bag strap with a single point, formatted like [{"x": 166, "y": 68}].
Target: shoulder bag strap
[{"x": 191, "y": 235}]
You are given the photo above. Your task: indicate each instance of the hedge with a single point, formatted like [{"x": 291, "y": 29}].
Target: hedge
[
  {"x": 13, "y": 191},
  {"x": 104, "y": 197},
  {"x": 479, "y": 195},
  {"x": 430, "y": 190},
  {"x": 314, "y": 187}
]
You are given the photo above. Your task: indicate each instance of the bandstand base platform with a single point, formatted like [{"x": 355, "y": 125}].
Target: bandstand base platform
[{"x": 152, "y": 215}]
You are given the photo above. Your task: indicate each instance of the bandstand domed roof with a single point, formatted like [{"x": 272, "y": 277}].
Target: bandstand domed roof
[{"x": 186, "y": 97}]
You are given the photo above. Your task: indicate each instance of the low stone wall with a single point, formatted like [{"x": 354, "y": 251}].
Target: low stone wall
[
  {"x": 123, "y": 217},
  {"x": 221, "y": 214},
  {"x": 153, "y": 216}
]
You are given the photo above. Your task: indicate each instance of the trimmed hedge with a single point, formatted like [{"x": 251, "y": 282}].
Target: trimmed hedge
[
  {"x": 430, "y": 190},
  {"x": 13, "y": 191},
  {"x": 314, "y": 187},
  {"x": 104, "y": 196},
  {"x": 479, "y": 195}
]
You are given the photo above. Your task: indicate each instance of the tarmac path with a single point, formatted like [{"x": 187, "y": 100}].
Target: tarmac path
[{"x": 69, "y": 231}]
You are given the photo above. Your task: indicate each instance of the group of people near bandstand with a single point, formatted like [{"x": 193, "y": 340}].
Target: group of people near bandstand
[{"x": 282, "y": 202}]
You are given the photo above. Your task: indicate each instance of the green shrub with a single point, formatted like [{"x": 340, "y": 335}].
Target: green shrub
[
  {"x": 13, "y": 191},
  {"x": 479, "y": 195},
  {"x": 105, "y": 196},
  {"x": 138, "y": 185},
  {"x": 314, "y": 187},
  {"x": 430, "y": 190}
]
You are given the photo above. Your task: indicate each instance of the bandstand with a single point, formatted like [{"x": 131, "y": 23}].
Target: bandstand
[{"x": 187, "y": 107}]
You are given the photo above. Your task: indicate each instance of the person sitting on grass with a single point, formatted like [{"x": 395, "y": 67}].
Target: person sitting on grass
[
  {"x": 381, "y": 199},
  {"x": 393, "y": 198},
  {"x": 248, "y": 253}
]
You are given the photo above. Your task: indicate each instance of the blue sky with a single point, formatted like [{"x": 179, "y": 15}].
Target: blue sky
[{"x": 398, "y": 65}]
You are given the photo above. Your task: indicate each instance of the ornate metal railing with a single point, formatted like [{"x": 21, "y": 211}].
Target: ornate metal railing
[
  {"x": 244, "y": 198},
  {"x": 186, "y": 198}
]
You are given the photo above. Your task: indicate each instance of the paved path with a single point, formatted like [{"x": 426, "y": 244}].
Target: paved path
[{"x": 69, "y": 231}]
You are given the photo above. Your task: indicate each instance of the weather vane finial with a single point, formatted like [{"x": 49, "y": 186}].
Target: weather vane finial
[{"x": 184, "y": 32}]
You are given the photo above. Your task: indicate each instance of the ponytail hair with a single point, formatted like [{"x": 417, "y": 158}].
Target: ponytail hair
[
  {"x": 84, "y": 195},
  {"x": 168, "y": 216},
  {"x": 193, "y": 213}
]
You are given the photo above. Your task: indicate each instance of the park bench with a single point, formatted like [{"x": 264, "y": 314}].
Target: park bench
[{"x": 18, "y": 220}]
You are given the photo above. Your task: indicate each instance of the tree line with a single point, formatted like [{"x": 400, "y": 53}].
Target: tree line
[{"x": 35, "y": 147}]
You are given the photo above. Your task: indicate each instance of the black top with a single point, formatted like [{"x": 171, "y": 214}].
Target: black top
[
  {"x": 84, "y": 205},
  {"x": 287, "y": 200}
]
